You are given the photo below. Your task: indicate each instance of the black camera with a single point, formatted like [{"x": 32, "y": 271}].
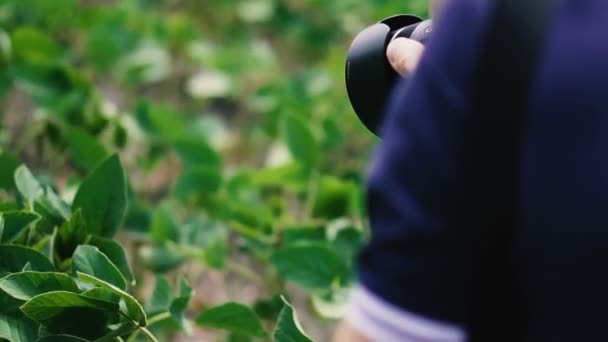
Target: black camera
[{"x": 369, "y": 76}]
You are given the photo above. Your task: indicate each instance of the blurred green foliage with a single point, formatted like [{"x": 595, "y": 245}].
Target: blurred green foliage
[{"x": 241, "y": 152}]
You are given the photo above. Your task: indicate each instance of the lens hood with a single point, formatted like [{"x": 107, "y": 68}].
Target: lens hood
[{"x": 369, "y": 76}]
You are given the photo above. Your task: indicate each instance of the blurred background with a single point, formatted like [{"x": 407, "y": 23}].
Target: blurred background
[{"x": 232, "y": 121}]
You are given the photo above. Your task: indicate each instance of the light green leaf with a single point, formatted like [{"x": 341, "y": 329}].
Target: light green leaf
[
  {"x": 288, "y": 328},
  {"x": 86, "y": 150},
  {"x": 180, "y": 303},
  {"x": 233, "y": 317},
  {"x": 161, "y": 297},
  {"x": 36, "y": 47},
  {"x": 313, "y": 267},
  {"x": 26, "y": 285},
  {"x": 163, "y": 226},
  {"x": 116, "y": 253},
  {"x": 28, "y": 185},
  {"x": 301, "y": 142},
  {"x": 14, "y": 224},
  {"x": 197, "y": 152},
  {"x": 17, "y": 328},
  {"x": 132, "y": 308},
  {"x": 90, "y": 260},
  {"x": 102, "y": 197},
  {"x": 13, "y": 258}
]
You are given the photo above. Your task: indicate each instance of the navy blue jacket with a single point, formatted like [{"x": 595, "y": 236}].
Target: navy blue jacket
[{"x": 417, "y": 258}]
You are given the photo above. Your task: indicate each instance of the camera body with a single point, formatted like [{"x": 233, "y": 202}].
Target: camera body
[{"x": 369, "y": 76}]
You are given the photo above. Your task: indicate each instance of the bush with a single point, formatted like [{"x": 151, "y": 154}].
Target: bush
[{"x": 169, "y": 168}]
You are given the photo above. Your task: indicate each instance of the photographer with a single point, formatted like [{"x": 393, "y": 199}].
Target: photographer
[{"x": 419, "y": 275}]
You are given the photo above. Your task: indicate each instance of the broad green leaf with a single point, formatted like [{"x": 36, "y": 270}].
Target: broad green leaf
[
  {"x": 14, "y": 224},
  {"x": 69, "y": 235},
  {"x": 34, "y": 46},
  {"x": 301, "y": 142},
  {"x": 102, "y": 198},
  {"x": 314, "y": 267},
  {"x": 90, "y": 260},
  {"x": 54, "y": 309},
  {"x": 28, "y": 185},
  {"x": 26, "y": 285},
  {"x": 17, "y": 328},
  {"x": 116, "y": 253},
  {"x": 161, "y": 297},
  {"x": 197, "y": 182},
  {"x": 268, "y": 308},
  {"x": 55, "y": 204},
  {"x": 102, "y": 293},
  {"x": 163, "y": 225},
  {"x": 233, "y": 317},
  {"x": 86, "y": 150},
  {"x": 13, "y": 258},
  {"x": 162, "y": 259},
  {"x": 132, "y": 308},
  {"x": 288, "y": 328},
  {"x": 197, "y": 152},
  {"x": 8, "y": 165}
]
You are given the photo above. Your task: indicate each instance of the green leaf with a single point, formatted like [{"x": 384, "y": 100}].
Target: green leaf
[
  {"x": 8, "y": 165},
  {"x": 26, "y": 285},
  {"x": 301, "y": 142},
  {"x": 197, "y": 182},
  {"x": 86, "y": 150},
  {"x": 33, "y": 46},
  {"x": 162, "y": 259},
  {"x": 132, "y": 308},
  {"x": 13, "y": 258},
  {"x": 17, "y": 328},
  {"x": 197, "y": 152},
  {"x": 90, "y": 260},
  {"x": 163, "y": 226},
  {"x": 69, "y": 235},
  {"x": 55, "y": 204},
  {"x": 333, "y": 198},
  {"x": 103, "y": 198},
  {"x": 161, "y": 297},
  {"x": 54, "y": 309},
  {"x": 116, "y": 253},
  {"x": 288, "y": 328},
  {"x": 268, "y": 308},
  {"x": 102, "y": 293},
  {"x": 14, "y": 224},
  {"x": 28, "y": 185},
  {"x": 180, "y": 303},
  {"x": 313, "y": 267},
  {"x": 233, "y": 317}
]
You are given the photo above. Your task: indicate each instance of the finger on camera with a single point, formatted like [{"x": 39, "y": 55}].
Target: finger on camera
[{"x": 404, "y": 54}]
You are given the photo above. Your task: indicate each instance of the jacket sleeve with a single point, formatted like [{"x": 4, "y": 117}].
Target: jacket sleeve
[{"x": 417, "y": 259}]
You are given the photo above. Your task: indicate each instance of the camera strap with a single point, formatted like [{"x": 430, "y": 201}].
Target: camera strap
[{"x": 504, "y": 80}]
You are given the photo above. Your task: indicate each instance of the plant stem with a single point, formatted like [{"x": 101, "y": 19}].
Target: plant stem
[
  {"x": 148, "y": 334},
  {"x": 153, "y": 320}
]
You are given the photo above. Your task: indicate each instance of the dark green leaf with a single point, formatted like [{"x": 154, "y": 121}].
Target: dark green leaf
[
  {"x": 102, "y": 198},
  {"x": 333, "y": 198},
  {"x": 89, "y": 260},
  {"x": 314, "y": 267},
  {"x": 54, "y": 309},
  {"x": 132, "y": 308},
  {"x": 233, "y": 317},
  {"x": 17, "y": 328},
  {"x": 197, "y": 182},
  {"x": 13, "y": 258},
  {"x": 8, "y": 165},
  {"x": 161, "y": 297},
  {"x": 268, "y": 308},
  {"x": 180, "y": 303},
  {"x": 288, "y": 327},
  {"x": 69, "y": 235},
  {"x": 14, "y": 224},
  {"x": 116, "y": 253},
  {"x": 86, "y": 150},
  {"x": 61, "y": 338},
  {"x": 26, "y": 285}
]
